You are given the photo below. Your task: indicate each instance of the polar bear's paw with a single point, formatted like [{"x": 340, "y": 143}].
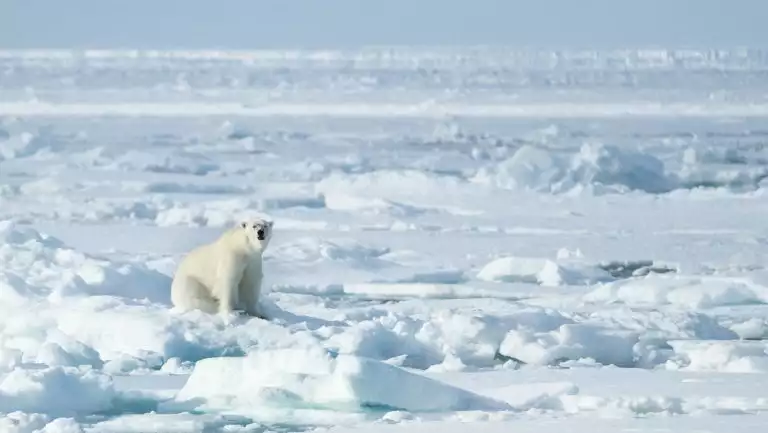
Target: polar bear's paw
[
  {"x": 241, "y": 317},
  {"x": 232, "y": 318}
]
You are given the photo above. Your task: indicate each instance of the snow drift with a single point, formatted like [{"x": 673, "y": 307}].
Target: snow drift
[
  {"x": 595, "y": 167},
  {"x": 312, "y": 377}
]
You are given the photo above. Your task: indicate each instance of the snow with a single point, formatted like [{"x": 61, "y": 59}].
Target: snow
[
  {"x": 465, "y": 238},
  {"x": 311, "y": 377},
  {"x": 543, "y": 271},
  {"x": 595, "y": 166},
  {"x": 57, "y": 391}
]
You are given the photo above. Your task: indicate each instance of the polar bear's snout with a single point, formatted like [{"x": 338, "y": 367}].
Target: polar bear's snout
[
  {"x": 261, "y": 227},
  {"x": 258, "y": 232}
]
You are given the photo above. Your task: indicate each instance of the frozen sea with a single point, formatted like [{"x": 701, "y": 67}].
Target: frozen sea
[{"x": 465, "y": 239}]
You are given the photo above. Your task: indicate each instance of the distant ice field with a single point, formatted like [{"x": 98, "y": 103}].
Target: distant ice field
[{"x": 477, "y": 238}]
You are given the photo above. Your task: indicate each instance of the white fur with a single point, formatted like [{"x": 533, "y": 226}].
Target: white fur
[{"x": 225, "y": 275}]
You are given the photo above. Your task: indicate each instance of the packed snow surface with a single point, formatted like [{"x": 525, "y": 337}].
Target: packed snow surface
[{"x": 464, "y": 239}]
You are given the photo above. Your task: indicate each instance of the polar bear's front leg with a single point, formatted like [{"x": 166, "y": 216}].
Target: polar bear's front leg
[
  {"x": 250, "y": 291},
  {"x": 229, "y": 273}
]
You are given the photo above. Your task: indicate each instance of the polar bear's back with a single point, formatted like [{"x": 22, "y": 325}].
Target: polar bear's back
[{"x": 202, "y": 262}]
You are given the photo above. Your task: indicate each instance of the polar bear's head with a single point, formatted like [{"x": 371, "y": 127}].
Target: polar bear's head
[{"x": 258, "y": 232}]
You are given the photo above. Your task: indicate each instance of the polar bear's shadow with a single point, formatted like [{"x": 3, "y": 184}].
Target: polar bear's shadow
[
  {"x": 278, "y": 315},
  {"x": 273, "y": 312}
]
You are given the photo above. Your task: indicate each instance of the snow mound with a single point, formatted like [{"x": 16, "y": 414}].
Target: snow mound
[
  {"x": 753, "y": 329},
  {"x": 118, "y": 338},
  {"x": 576, "y": 341},
  {"x": 724, "y": 167},
  {"x": 397, "y": 192},
  {"x": 721, "y": 356},
  {"x": 23, "y": 145},
  {"x": 62, "y": 425},
  {"x": 442, "y": 341},
  {"x": 312, "y": 377},
  {"x": 158, "y": 335},
  {"x": 36, "y": 265},
  {"x": 22, "y": 422},
  {"x": 542, "y": 271},
  {"x": 682, "y": 291},
  {"x": 56, "y": 391},
  {"x": 625, "y": 337},
  {"x": 661, "y": 324},
  {"x": 566, "y": 269},
  {"x": 596, "y": 167},
  {"x": 386, "y": 183}
]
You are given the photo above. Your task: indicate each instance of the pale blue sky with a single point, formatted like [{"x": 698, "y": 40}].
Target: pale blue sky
[{"x": 349, "y": 23}]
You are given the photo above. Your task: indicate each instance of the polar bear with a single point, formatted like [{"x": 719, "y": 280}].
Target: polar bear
[{"x": 226, "y": 274}]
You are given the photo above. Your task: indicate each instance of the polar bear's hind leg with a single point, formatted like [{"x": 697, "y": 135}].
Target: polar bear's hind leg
[{"x": 189, "y": 294}]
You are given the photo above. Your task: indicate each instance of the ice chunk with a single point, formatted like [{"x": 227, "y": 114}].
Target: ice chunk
[
  {"x": 55, "y": 391},
  {"x": 572, "y": 342},
  {"x": 596, "y": 167},
  {"x": 300, "y": 377},
  {"x": 542, "y": 271},
  {"x": 687, "y": 291}
]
